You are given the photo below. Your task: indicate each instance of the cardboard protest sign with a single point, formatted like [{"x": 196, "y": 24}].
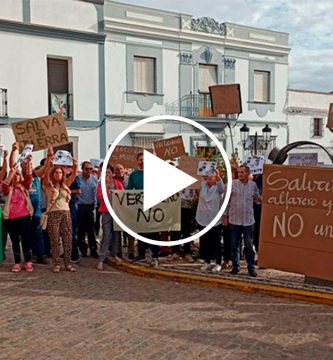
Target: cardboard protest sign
[
  {"x": 303, "y": 159},
  {"x": 255, "y": 163},
  {"x": 63, "y": 158},
  {"x": 330, "y": 118},
  {"x": 296, "y": 232},
  {"x": 207, "y": 168},
  {"x": 42, "y": 132},
  {"x": 126, "y": 155},
  {"x": 24, "y": 154},
  {"x": 171, "y": 148},
  {"x": 128, "y": 205},
  {"x": 189, "y": 165}
]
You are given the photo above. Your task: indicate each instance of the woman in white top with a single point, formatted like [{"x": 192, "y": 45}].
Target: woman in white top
[{"x": 210, "y": 201}]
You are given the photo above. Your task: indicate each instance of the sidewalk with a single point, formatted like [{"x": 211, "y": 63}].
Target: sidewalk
[{"x": 272, "y": 282}]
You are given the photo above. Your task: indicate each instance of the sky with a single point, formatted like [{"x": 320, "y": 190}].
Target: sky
[{"x": 308, "y": 23}]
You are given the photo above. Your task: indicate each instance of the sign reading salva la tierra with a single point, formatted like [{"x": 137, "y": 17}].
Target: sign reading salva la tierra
[
  {"x": 296, "y": 233},
  {"x": 128, "y": 205},
  {"x": 171, "y": 148},
  {"x": 126, "y": 155},
  {"x": 42, "y": 132}
]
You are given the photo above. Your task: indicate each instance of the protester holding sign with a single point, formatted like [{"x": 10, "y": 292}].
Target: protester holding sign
[
  {"x": 17, "y": 213},
  {"x": 241, "y": 218},
  {"x": 110, "y": 237},
  {"x": 59, "y": 224},
  {"x": 135, "y": 181},
  {"x": 210, "y": 201}
]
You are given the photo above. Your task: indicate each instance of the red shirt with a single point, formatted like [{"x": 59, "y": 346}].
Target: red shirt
[{"x": 117, "y": 186}]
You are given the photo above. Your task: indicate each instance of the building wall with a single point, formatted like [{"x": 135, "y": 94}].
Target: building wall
[{"x": 303, "y": 107}]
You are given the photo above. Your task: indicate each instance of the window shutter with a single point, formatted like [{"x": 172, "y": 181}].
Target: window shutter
[
  {"x": 261, "y": 86},
  {"x": 144, "y": 75},
  {"x": 207, "y": 77},
  {"x": 312, "y": 127}
]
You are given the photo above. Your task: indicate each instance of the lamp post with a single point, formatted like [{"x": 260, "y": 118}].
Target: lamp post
[{"x": 245, "y": 131}]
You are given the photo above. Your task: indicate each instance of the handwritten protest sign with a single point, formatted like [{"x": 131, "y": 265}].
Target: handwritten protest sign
[
  {"x": 189, "y": 165},
  {"x": 255, "y": 163},
  {"x": 171, "y": 148},
  {"x": 296, "y": 232},
  {"x": 126, "y": 155},
  {"x": 128, "y": 205},
  {"x": 41, "y": 132}
]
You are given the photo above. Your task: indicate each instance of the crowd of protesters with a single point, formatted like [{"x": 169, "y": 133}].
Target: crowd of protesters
[{"x": 49, "y": 210}]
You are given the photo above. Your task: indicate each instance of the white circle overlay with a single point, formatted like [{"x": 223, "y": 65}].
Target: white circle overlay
[{"x": 161, "y": 118}]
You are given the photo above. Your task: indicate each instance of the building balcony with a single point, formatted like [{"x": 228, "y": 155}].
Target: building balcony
[
  {"x": 3, "y": 103},
  {"x": 194, "y": 106}
]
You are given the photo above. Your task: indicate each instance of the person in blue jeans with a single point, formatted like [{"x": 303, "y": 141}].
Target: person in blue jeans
[{"x": 240, "y": 216}]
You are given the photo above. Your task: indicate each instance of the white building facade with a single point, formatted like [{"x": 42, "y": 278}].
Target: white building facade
[
  {"x": 160, "y": 62},
  {"x": 48, "y": 49},
  {"x": 117, "y": 63},
  {"x": 307, "y": 113}
]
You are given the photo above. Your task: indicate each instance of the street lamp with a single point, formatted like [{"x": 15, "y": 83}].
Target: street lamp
[{"x": 266, "y": 133}]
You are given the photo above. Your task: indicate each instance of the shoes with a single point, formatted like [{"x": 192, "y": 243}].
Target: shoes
[
  {"x": 216, "y": 269},
  {"x": 205, "y": 267},
  {"x": 118, "y": 260},
  {"x": 130, "y": 256},
  {"x": 28, "y": 266},
  {"x": 226, "y": 265},
  {"x": 76, "y": 261},
  {"x": 234, "y": 271},
  {"x": 200, "y": 261},
  {"x": 100, "y": 266},
  {"x": 16, "y": 268},
  {"x": 154, "y": 263},
  {"x": 94, "y": 254},
  {"x": 42, "y": 260},
  {"x": 189, "y": 258},
  {"x": 253, "y": 273},
  {"x": 138, "y": 258}
]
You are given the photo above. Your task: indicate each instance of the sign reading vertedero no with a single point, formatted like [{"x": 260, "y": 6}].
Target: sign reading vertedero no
[
  {"x": 171, "y": 148},
  {"x": 42, "y": 132},
  {"x": 128, "y": 205},
  {"x": 296, "y": 233}
]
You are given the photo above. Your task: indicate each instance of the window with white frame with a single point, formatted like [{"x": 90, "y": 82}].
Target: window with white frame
[
  {"x": 144, "y": 75},
  {"x": 207, "y": 77},
  {"x": 317, "y": 127},
  {"x": 261, "y": 86}
]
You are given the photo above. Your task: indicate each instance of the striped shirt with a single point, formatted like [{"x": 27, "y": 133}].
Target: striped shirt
[{"x": 240, "y": 207}]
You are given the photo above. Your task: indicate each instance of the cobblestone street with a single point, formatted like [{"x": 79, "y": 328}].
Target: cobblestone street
[{"x": 113, "y": 315}]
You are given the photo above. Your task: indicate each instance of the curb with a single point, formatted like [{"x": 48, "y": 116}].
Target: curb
[{"x": 212, "y": 282}]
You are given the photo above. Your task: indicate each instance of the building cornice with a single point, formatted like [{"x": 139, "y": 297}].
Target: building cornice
[
  {"x": 51, "y": 32},
  {"x": 127, "y": 27}
]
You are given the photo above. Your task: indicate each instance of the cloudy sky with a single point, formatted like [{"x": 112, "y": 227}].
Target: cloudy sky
[{"x": 309, "y": 24}]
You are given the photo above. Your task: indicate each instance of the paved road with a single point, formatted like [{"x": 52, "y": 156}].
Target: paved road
[{"x": 113, "y": 315}]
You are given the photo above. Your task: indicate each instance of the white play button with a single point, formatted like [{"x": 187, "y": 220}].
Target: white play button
[{"x": 161, "y": 180}]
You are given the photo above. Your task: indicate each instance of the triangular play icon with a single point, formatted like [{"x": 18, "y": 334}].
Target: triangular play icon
[{"x": 161, "y": 180}]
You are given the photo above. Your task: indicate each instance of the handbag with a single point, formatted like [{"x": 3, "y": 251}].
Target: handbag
[{"x": 44, "y": 217}]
